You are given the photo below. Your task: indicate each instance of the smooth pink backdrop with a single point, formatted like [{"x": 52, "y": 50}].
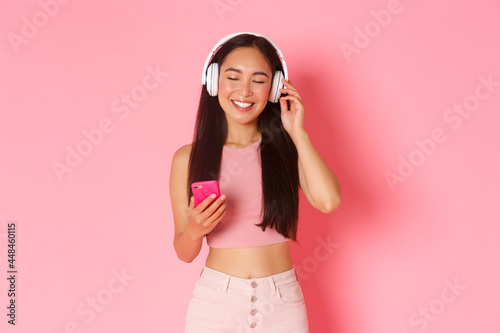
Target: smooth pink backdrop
[{"x": 376, "y": 78}]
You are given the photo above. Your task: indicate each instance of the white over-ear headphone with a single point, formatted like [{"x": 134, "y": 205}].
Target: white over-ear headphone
[{"x": 210, "y": 76}]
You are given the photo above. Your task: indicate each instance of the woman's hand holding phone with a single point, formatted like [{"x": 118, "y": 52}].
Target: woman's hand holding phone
[{"x": 205, "y": 216}]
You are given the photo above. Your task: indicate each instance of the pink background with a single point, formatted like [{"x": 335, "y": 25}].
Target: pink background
[{"x": 395, "y": 250}]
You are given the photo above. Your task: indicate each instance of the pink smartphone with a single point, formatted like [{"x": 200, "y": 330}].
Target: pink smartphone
[{"x": 201, "y": 190}]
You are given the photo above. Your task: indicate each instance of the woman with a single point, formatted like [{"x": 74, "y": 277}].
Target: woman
[{"x": 260, "y": 153}]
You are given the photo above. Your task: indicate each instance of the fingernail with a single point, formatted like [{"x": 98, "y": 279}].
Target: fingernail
[{"x": 223, "y": 197}]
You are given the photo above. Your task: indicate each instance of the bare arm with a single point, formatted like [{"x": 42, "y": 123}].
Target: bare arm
[
  {"x": 319, "y": 184},
  {"x": 191, "y": 223}
]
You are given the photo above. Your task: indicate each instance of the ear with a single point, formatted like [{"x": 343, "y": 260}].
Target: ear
[
  {"x": 275, "y": 93},
  {"x": 213, "y": 79}
]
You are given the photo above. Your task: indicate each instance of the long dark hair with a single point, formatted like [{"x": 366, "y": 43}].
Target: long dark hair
[{"x": 279, "y": 158}]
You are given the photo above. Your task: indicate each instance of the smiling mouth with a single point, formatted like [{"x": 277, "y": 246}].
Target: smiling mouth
[{"x": 242, "y": 105}]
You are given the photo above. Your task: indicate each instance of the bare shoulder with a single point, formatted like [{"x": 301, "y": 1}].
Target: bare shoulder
[
  {"x": 179, "y": 174},
  {"x": 179, "y": 169},
  {"x": 178, "y": 187},
  {"x": 181, "y": 156}
]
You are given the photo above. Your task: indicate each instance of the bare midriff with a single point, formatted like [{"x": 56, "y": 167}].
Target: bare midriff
[{"x": 251, "y": 262}]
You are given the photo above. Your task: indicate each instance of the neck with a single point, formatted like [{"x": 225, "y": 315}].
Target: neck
[{"x": 242, "y": 134}]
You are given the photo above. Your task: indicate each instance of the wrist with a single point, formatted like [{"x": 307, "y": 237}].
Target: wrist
[
  {"x": 192, "y": 235},
  {"x": 299, "y": 134}
]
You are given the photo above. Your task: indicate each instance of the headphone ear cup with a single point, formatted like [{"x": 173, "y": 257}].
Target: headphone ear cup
[
  {"x": 213, "y": 79},
  {"x": 275, "y": 93}
]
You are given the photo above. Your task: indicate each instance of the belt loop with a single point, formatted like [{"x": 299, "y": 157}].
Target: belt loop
[
  {"x": 272, "y": 283},
  {"x": 225, "y": 284}
]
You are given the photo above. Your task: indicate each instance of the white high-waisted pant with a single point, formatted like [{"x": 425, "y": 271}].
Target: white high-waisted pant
[{"x": 223, "y": 303}]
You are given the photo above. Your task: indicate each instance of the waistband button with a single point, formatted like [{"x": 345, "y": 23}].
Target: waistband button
[
  {"x": 253, "y": 299},
  {"x": 254, "y": 284}
]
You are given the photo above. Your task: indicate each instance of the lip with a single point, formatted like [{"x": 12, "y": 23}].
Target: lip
[{"x": 240, "y": 108}]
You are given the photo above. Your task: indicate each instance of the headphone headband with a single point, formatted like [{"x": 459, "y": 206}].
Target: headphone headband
[{"x": 228, "y": 37}]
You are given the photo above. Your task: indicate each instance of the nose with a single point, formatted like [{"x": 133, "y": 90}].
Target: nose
[{"x": 246, "y": 88}]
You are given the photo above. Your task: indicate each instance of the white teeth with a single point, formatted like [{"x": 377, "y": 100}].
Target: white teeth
[{"x": 242, "y": 105}]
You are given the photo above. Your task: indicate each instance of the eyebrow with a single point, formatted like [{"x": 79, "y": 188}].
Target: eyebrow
[{"x": 239, "y": 72}]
